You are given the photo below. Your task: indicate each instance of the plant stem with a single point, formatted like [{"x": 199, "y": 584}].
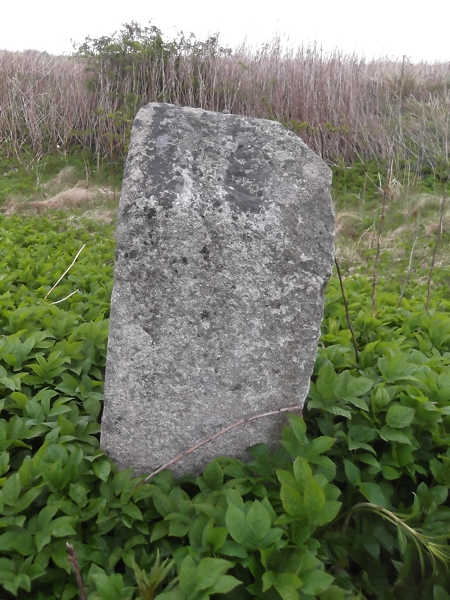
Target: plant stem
[
  {"x": 73, "y": 559},
  {"x": 436, "y": 245},
  {"x": 380, "y": 230},
  {"x": 355, "y": 346},
  {"x": 408, "y": 270}
]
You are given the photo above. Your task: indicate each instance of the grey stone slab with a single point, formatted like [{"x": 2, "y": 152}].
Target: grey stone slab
[{"x": 224, "y": 249}]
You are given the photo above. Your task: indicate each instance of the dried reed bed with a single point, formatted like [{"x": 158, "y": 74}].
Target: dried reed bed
[
  {"x": 43, "y": 101},
  {"x": 341, "y": 105}
]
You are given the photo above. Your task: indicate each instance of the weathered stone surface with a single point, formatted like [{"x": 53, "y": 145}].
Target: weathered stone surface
[{"x": 224, "y": 248}]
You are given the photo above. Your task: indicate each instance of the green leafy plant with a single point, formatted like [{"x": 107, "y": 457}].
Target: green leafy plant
[{"x": 352, "y": 504}]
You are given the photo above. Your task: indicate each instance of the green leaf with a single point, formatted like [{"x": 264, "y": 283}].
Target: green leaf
[
  {"x": 233, "y": 549},
  {"x": 286, "y": 585},
  {"x": 20, "y": 580},
  {"x": 159, "y": 531},
  {"x": 62, "y": 527},
  {"x": 11, "y": 489},
  {"x": 132, "y": 511},
  {"x": 178, "y": 528},
  {"x": 93, "y": 508},
  {"x": 286, "y": 478},
  {"x": 24, "y": 544},
  {"x": 373, "y": 493},
  {"x": 35, "y": 411},
  {"x": 316, "y": 582},
  {"x": 224, "y": 584},
  {"x": 216, "y": 537},
  {"x": 396, "y": 368},
  {"x": 121, "y": 478},
  {"x": 213, "y": 475},
  {"x": 272, "y": 536},
  {"x": 102, "y": 469},
  {"x": 338, "y": 410},
  {"x": 258, "y": 520},
  {"x": 292, "y": 502},
  {"x": 92, "y": 406},
  {"x": 358, "y": 402},
  {"x": 380, "y": 397},
  {"x": 333, "y": 593},
  {"x": 143, "y": 491},
  {"x": 439, "y": 593},
  {"x": 6, "y": 540},
  {"x": 26, "y": 499},
  {"x": 268, "y": 580},
  {"x": 78, "y": 493},
  {"x": 261, "y": 452},
  {"x": 188, "y": 575},
  {"x": 358, "y": 386},
  {"x": 109, "y": 586},
  {"x": 328, "y": 512},
  {"x": 326, "y": 381},
  {"x": 393, "y": 435},
  {"x": 299, "y": 427},
  {"x": 302, "y": 471},
  {"x": 352, "y": 472},
  {"x": 439, "y": 493},
  {"x": 390, "y": 473},
  {"x": 313, "y": 497},
  {"x": 42, "y": 538},
  {"x": 319, "y": 446},
  {"x": 209, "y": 570},
  {"x": 399, "y": 416},
  {"x": 235, "y": 521},
  {"x": 163, "y": 504}
]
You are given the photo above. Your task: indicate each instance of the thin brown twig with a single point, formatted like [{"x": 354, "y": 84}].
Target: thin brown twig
[
  {"x": 380, "y": 231},
  {"x": 73, "y": 559},
  {"x": 408, "y": 270},
  {"x": 295, "y": 408},
  {"x": 66, "y": 271},
  {"x": 436, "y": 245},
  {"x": 355, "y": 346}
]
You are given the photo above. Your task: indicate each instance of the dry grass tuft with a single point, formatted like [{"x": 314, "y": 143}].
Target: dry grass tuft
[
  {"x": 101, "y": 215},
  {"x": 66, "y": 178},
  {"x": 419, "y": 203},
  {"x": 67, "y": 192},
  {"x": 432, "y": 228},
  {"x": 398, "y": 233},
  {"x": 68, "y": 197},
  {"x": 347, "y": 224},
  {"x": 348, "y": 256}
]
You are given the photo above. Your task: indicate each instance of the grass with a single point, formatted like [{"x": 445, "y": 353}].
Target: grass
[{"x": 56, "y": 181}]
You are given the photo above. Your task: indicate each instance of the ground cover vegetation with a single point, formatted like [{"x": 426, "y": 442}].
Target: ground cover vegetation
[{"x": 354, "y": 502}]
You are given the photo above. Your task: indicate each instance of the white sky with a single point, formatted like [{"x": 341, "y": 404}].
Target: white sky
[{"x": 393, "y": 28}]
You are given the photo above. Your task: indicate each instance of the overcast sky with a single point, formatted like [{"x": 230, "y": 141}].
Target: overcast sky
[{"x": 392, "y": 28}]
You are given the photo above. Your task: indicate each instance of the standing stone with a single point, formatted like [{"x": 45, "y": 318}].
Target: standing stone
[{"x": 224, "y": 249}]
